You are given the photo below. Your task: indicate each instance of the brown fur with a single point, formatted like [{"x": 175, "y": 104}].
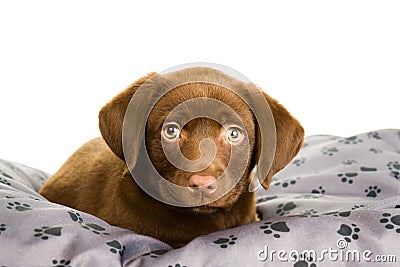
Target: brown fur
[{"x": 96, "y": 180}]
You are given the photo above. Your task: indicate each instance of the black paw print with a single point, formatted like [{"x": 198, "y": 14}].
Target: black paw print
[
  {"x": 286, "y": 183},
  {"x": 343, "y": 213},
  {"x": 273, "y": 228},
  {"x": 225, "y": 242},
  {"x": 347, "y": 177},
  {"x": 347, "y": 231},
  {"x": 284, "y": 209},
  {"x": 368, "y": 169},
  {"x": 349, "y": 162},
  {"x": 299, "y": 162},
  {"x": 4, "y": 181},
  {"x": 394, "y": 166},
  {"x": 391, "y": 221},
  {"x": 61, "y": 263},
  {"x": 177, "y": 265},
  {"x": 338, "y": 213},
  {"x": 396, "y": 174},
  {"x": 372, "y": 191},
  {"x": 309, "y": 196},
  {"x": 351, "y": 140},
  {"x": 309, "y": 213},
  {"x": 34, "y": 198},
  {"x": 2, "y": 228},
  {"x": 320, "y": 190},
  {"x": 45, "y": 231},
  {"x": 116, "y": 247},
  {"x": 94, "y": 228},
  {"x": 75, "y": 216},
  {"x": 304, "y": 260},
  {"x": 155, "y": 253},
  {"x": 18, "y": 206},
  {"x": 375, "y": 150},
  {"x": 374, "y": 135},
  {"x": 330, "y": 151},
  {"x": 2, "y": 173},
  {"x": 357, "y": 207},
  {"x": 265, "y": 199}
]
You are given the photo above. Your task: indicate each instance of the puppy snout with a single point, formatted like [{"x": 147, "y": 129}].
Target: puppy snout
[{"x": 205, "y": 183}]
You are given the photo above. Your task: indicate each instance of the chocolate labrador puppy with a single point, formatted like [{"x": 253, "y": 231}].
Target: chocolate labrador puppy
[{"x": 97, "y": 179}]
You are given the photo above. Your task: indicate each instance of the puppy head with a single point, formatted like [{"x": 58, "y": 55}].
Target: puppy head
[
  {"x": 224, "y": 132},
  {"x": 228, "y": 135}
]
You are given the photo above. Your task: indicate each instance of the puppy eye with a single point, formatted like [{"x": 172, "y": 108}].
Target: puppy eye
[
  {"x": 234, "y": 135},
  {"x": 171, "y": 131}
]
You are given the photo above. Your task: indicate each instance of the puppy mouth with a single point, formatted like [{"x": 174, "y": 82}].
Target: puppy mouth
[{"x": 205, "y": 209}]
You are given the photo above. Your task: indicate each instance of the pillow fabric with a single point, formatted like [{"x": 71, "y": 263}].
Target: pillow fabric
[{"x": 336, "y": 203}]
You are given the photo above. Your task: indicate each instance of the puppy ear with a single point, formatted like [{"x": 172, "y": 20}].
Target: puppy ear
[
  {"x": 289, "y": 139},
  {"x": 111, "y": 116}
]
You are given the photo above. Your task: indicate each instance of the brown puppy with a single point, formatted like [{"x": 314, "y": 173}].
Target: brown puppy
[{"x": 96, "y": 178}]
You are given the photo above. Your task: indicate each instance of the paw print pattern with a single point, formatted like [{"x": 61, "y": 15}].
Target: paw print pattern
[
  {"x": 351, "y": 140},
  {"x": 349, "y": 162},
  {"x": 177, "y": 265},
  {"x": 320, "y": 190},
  {"x": 18, "y": 206},
  {"x": 225, "y": 242},
  {"x": 330, "y": 151},
  {"x": 357, "y": 207},
  {"x": 2, "y": 228},
  {"x": 309, "y": 213},
  {"x": 116, "y": 247},
  {"x": 4, "y": 174},
  {"x": 309, "y": 196},
  {"x": 304, "y": 260},
  {"x": 155, "y": 253},
  {"x": 275, "y": 228},
  {"x": 394, "y": 166},
  {"x": 391, "y": 222},
  {"x": 374, "y": 135},
  {"x": 372, "y": 191},
  {"x": 34, "y": 198},
  {"x": 375, "y": 150},
  {"x": 343, "y": 213},
  {"x": 337, "y": 213},
  {"x": 45, "y": 232},
  {"x": 368, "y": 169},
  {"x": 265, "y": 199},
  {"x": 4, "y": 181},
  {"x": 94, "y": 228},
  {"x": 347, "y": 177},
  {"x": 349, "y": 232},
  {"x": 61, "y": 263},
  {"x": 286, "y": 183},
  {"x": 284, "y": 209},
  {"x": 298, "y": 162},
  {"x": 75, "y": 216}
]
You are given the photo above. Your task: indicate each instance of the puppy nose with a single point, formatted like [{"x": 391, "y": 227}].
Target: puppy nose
[{"x": 203, "y": 182}]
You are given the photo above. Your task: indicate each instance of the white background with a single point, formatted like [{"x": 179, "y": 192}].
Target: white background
[{"x": 334, "y": 64}]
